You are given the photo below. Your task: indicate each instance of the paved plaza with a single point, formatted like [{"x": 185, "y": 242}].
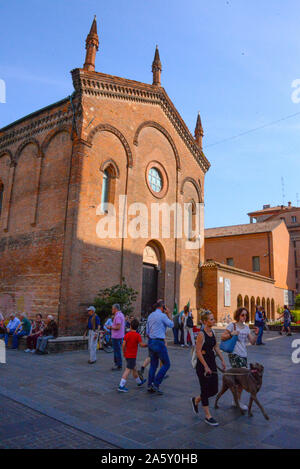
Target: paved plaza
[{"x": 59, "y": 401}]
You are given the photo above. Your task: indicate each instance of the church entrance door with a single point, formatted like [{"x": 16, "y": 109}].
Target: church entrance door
[{"x": 149, "y": 289}]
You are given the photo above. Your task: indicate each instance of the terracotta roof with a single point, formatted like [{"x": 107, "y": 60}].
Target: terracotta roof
[
  {"x": 277, "y": 208},
  {"x": 249, "y": 228},
  {"x": 235, "y": 270}
]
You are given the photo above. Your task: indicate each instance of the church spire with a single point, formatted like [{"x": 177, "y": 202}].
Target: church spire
[
  {"x": 91, "y": 45},
  {"x": 199, "y": 131},
  {"x": 156, "y": 68}
]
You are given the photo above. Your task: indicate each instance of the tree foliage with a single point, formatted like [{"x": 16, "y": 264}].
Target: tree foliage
[{"x": 124, "y": 295}]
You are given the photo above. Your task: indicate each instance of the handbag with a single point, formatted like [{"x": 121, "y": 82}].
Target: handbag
[
  {"x": 194, "y": 355},
  {"x": 229, "y": 344}
]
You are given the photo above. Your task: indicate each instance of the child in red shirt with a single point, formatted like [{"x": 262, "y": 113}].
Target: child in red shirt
[{"x": 130, "y": 348}]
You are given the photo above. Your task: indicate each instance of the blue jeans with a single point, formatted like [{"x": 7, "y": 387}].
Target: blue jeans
[
  {"x": 15, "y": 341},
  {"x": 260, "y": 334},
  {"x": 116, "y": 343},
  {"x": 158, "y": 351},
  {"x": 42, "y": 342},
  {"x": 175, "y": 333},
  {"x": 11, "y": 332}
]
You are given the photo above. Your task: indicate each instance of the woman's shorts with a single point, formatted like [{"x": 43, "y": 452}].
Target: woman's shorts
[
  {"x": 130, "y": 363},
  {"x": 236, "y": 361}
]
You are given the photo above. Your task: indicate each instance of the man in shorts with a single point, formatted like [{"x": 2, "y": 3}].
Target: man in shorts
[{"x": 287, "y": 319}]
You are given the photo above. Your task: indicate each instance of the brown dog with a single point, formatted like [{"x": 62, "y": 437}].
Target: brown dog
[{"x": 248, "y": 379}]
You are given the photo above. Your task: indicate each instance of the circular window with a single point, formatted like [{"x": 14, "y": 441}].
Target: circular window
[{"x": 155, "y": 180}]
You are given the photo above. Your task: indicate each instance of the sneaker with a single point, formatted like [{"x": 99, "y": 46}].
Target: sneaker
[
  {"x": 91, "y": 363},
  {"x": 142, "y": 382},
  {"x": 141, "y": 374},
  {"x": 289, "y": 334},
  {"x": 211, "y": 422},
  {"x": 27, "y": 350},
  {"x": 156, "y": 390},
  {"x": 280, "y": 333},
  {"x": 195, "y": 406},
  {"x": 116, "y": 368},
  {"x": 150, "y": 389},
  {"x": 122, "y": 389},
  {"x": 242, "y": 406},
  {"x": 33, "y": 351}
]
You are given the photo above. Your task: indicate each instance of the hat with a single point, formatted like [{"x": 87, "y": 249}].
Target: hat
[{"x": 91, "y": 308}]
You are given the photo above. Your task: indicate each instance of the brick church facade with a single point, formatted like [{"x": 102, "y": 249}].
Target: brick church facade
[{"x": 112, "y": 137}]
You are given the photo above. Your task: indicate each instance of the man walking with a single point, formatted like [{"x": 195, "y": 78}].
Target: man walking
[
  {"x": 117, "y": 335},
  {"x": 157, "y": 323},
  {"x": 92, "y": 330},
  {"x": 287, "y": 321}
]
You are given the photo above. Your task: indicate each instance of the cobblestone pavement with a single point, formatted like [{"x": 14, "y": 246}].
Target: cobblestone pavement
[
  {"x": 24, "y": 428},
  {"x": 60, "y": 400}
]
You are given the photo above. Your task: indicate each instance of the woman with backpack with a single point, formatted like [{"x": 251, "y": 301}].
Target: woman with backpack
[
  {"x": 188, "y": 325},
  {"x": 206, "y": 367}
]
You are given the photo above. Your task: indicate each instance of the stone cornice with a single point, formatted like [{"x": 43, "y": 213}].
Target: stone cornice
[
  {"x": 39, "y": 122},
  {"x": 100, "y": 84},
  {"x": 227, "y": 268}
]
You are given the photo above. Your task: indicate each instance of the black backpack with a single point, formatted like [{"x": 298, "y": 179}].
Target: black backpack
[{"x": 189, "y": 322}]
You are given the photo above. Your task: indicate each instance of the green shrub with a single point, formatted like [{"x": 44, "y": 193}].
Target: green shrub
[
  {"x": 297, "y": 302},
  {"x": 296, "y": 315},
  {"x": 121, "y": 294}
]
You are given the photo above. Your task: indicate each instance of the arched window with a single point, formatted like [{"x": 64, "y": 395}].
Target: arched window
[
  {"x": 246, "y": 302},
  {"x": 239, "y": 301},
  {"x": 268, "y": 308},
  {"x": 192, "y": 220},
  {"x": 108, "y": 187},
  {"x": 263, "y": 303},
  {"x": 105, "y": 190},
  {"x": 273, "y": 309},
  {"x": 258, "y": 301},
  {"x": 252, "y": 308},
  {"x": 1, "y": 196}
]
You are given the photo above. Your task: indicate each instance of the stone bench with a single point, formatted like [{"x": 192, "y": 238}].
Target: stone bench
[{"x": 58, "y": 345}]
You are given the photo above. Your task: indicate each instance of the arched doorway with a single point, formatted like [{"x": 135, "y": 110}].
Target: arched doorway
[{"x": 153, "y": 276}]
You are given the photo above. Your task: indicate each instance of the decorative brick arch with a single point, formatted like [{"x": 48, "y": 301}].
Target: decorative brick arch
[
  {"x": 52, "y": 134},
  {"x": 8, "y": 153},
  {"x": 24, "y": 144},
  {"x": 117, "y": 133},
  {"x": 161, "y": 129},
  {"x": 111, "y": 163},
  {"x": 192, "y": 181}
]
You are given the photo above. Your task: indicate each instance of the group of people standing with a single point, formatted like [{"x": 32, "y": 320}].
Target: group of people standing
[
  {"x": 37, "y": 332},
  {"x": 183, "y": 327}
]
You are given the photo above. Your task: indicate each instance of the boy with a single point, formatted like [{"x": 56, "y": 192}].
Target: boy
[{"x": 130, "y": 347}]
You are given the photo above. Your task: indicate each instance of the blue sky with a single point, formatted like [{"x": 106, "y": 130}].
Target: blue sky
[{"x": 232, "y": 60}]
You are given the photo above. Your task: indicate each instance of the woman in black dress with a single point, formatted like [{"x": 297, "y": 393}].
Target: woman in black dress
[{"x": 206, "y": 368}]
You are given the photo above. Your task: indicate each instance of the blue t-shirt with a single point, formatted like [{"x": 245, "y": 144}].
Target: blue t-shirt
[{"x": 97, "y": 322}]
